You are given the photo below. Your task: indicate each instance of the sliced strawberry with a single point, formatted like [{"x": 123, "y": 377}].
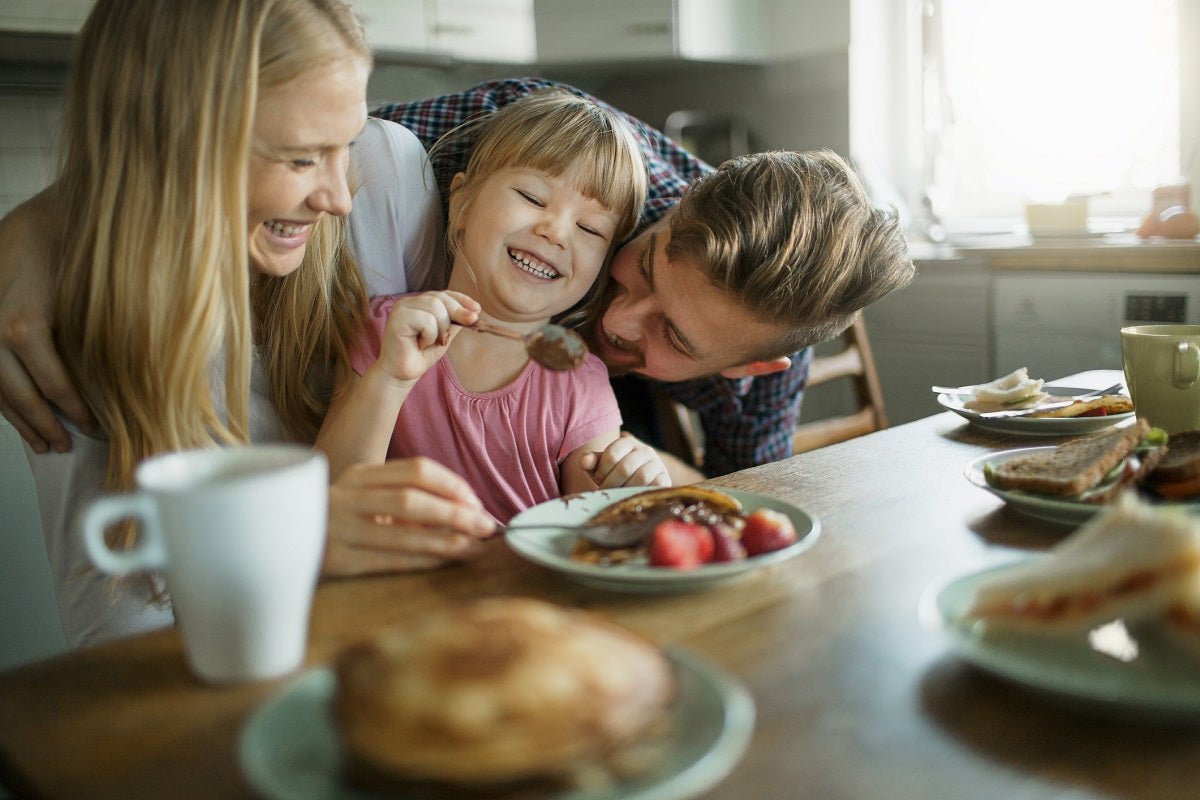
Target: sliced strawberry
[
  {"x": 766, "y": 531},
  {"x": 680, "y": 545},
  {"x": 726, "y": 545}
]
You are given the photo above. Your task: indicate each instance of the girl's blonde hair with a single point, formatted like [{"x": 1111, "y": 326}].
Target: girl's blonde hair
[
  {"x": 557, "y": 133},
  {"x": 155, "y": 283}
]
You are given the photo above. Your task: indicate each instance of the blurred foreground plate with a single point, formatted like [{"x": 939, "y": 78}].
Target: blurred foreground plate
[
  {"x": 1034, "y": 426},
  {"x": 1161, "y": 682},
  {"x": 289, "y": 749},
  {"x": 551, "y": 546}
]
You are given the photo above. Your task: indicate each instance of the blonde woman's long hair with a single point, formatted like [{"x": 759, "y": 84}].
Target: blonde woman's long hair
[
  {"x": 555, "y": 132},
  {"x": 155, "y": 283}
]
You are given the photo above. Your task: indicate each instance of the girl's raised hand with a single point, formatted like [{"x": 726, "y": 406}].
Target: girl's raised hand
[{"x": 419, "y": 330}]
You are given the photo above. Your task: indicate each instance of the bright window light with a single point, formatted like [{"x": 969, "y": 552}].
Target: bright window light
[{"x": 1037, "y": 100}]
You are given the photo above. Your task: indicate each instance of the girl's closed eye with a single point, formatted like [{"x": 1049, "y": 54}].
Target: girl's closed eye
[{"x": 530, "y": 197}]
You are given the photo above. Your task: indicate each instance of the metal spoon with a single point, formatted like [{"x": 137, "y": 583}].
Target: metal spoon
[
  {"x": 620, "y": 534},
  {"x": 552, "y": 346}
]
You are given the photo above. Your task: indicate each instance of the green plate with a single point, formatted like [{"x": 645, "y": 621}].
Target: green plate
[
  {"x": 551, "y": 546},
  {"x": 1161, "y": 679},
  {"x": 289, "y": 750},
  {"x": 1047, "y": 507}
]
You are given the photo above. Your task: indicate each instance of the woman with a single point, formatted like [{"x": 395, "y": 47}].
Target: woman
[{"x": 204, "y": 289}]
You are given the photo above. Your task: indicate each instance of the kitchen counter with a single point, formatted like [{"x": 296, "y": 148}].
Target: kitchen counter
[{"x": 1121, "y": 252}]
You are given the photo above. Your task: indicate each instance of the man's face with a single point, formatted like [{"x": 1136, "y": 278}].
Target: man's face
[{"x": 667, "y": 321}]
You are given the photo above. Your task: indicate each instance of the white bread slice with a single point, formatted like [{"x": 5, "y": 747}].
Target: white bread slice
[
  {"x": 1070, "y": 468},
  {"x": 1012, "y": 388},
  {"x": 1131, "y": 561}
]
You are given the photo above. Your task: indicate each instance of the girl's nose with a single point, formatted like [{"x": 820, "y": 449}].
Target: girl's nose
[{"x": 552, "y": 227}]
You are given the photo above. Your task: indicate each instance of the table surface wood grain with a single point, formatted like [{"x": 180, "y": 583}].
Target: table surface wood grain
[{"x": 856, "y": 697}]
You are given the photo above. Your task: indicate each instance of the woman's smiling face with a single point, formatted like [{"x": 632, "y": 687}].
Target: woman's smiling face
[{"x": 298, "y": 160}]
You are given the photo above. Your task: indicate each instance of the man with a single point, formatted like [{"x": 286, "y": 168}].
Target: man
[{"x": 715, "y": 301}]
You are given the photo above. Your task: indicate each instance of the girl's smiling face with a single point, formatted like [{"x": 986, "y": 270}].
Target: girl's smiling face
[
  {"x": 529, "y": 245},
  {"x": 298, "y": 160}
]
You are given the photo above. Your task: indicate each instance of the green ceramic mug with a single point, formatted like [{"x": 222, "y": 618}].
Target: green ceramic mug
[{"x": 1162, "y": 371}]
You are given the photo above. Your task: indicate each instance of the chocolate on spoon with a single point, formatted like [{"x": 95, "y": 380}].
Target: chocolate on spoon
[{"x": 552, "y": 346}]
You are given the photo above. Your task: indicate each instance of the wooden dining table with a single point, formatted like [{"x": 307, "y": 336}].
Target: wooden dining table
[{"x": 857, "y": 696}]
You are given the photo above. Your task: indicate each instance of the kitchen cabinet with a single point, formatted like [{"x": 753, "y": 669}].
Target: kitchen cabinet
[
  {"x": 572, "y": 31},
  {"x": 44, "y": 16},
  {"x": 470, "y": 30},
  {"x": 934, "y": 331}
]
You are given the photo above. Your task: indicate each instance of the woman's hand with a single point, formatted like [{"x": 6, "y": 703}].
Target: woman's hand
[
  {"x": 628, "y": 461},
  {"x": 419, "y": 329},
  {"x": 33, "y": 380},
  {"x": 402, "y": 515}
]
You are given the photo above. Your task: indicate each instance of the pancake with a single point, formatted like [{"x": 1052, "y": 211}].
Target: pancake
[{"x": 496, "y": 695}]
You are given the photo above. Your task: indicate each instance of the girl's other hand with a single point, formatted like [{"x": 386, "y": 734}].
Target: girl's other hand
[
  {"x": 420, "y": 328},
  {"x": 628, "y": 461},
  {"x": 402, "y": 515}
]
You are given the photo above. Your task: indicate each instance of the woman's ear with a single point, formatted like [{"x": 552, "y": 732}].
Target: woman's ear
[{"x": 456, "y": 196}]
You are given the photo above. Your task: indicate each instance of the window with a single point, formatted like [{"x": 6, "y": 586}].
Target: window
[{"x": 1037, "y": 100}]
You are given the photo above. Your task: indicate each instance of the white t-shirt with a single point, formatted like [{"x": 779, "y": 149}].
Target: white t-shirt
[{"x": 396, "y": 233}]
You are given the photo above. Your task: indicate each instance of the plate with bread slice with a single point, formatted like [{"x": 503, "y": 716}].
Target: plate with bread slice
[
  {"x": 693, "y": 537},
  {"x": 1011, "y": 405},
  {"x": 555, "y": 703},
  {"x": 1111, "y": 614},
  {"x": 1071, "y": 482}
]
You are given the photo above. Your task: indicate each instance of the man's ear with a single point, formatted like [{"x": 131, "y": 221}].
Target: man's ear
[{"x": 757, "y": 368}]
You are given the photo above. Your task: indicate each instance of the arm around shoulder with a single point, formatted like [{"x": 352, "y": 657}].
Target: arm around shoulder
[{"x": 33, "y": 379}]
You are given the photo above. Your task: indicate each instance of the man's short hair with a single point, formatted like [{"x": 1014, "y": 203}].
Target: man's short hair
[{"x": 794, "y": 236}]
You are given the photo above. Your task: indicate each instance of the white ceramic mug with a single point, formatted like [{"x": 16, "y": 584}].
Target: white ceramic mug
[
  {"x": 1162, "y": 370},
  {"x": 238, "y": 533}
]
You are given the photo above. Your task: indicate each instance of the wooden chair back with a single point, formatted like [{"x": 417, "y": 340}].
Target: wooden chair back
[{"x": 854, "y": 362}]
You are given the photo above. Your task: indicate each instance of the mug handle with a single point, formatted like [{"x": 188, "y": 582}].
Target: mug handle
[
  {"x": 1187, "y": 370},
  {"x": 148, "y": 553}
]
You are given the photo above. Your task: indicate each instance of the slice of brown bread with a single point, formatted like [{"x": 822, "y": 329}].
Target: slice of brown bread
[
  {"x": 1070, "y": 468},
  {"x": 1182, "y": 460}
]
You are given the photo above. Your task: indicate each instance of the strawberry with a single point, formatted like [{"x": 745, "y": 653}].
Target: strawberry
[
  {"x": 726, "y": 546},
  {"x": 680, "y": 545},
  {"x": 767, "y": 530}
]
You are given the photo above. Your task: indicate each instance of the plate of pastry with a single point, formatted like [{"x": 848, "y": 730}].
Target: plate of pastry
[
  {"x": 1109, "y": 615},
  {"x": 703, "y": 537},
  {"x": 1018, "y": 392},
  {"x": 503, "y": 698}
]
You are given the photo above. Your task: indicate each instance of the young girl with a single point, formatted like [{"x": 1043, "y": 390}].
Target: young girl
[{"x": 554, "y": 183}]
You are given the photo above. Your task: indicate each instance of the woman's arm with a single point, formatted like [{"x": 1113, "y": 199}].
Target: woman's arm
[{"x": 33, "y": 379}]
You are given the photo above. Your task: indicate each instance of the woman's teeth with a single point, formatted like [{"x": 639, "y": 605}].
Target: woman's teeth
[
  {"x": 531, "y": 266},
  {"x": 279, "y": 229}
]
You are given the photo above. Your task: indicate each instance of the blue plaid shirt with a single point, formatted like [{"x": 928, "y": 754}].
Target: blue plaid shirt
[{"x": 746, "y": 422}]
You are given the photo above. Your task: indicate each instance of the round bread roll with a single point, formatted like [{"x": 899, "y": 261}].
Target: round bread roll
[{"x": 501, "y": 691}]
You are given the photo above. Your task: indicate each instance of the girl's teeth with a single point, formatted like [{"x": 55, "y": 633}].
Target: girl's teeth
[
  {"x": 529, "y": 266},
  {"x": 279, "y": 229}
]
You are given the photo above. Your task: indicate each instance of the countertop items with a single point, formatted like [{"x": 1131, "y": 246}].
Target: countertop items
[{"x": 1114, "y": 252}]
